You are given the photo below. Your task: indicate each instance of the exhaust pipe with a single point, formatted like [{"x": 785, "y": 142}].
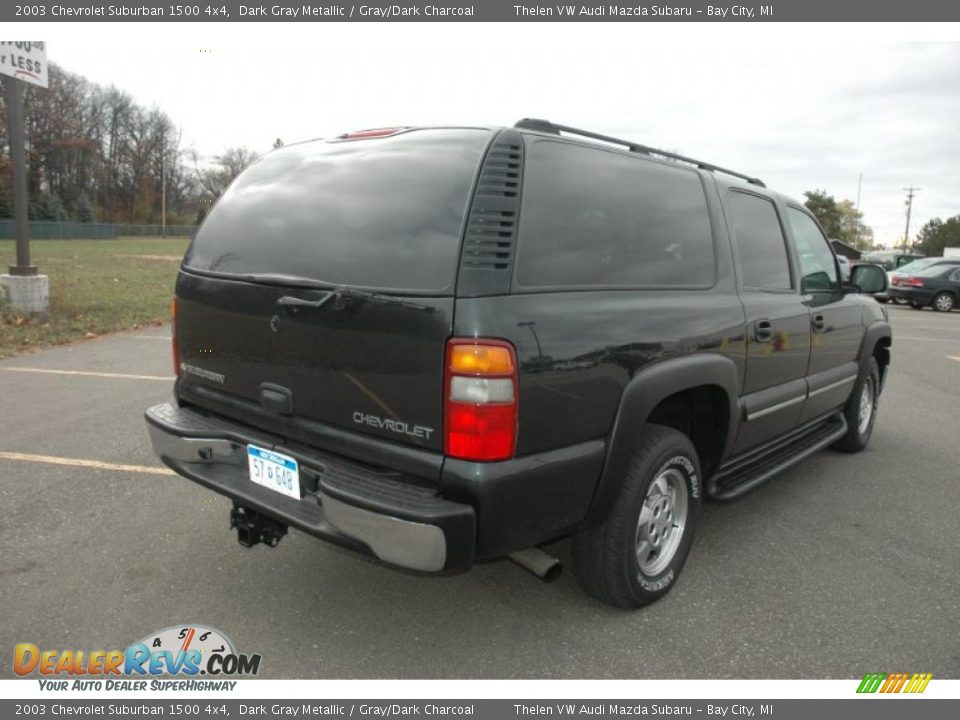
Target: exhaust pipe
[{"x": 544, "y": 566}]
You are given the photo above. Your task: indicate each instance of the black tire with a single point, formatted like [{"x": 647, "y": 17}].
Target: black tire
[
  {"x": 916, "y": 306},
  {"x": 943, "y": 302},
  {"x": 858, "y": 433},
  {"x": 881, "y": 300},
  {"x": 605, "y": 558}
]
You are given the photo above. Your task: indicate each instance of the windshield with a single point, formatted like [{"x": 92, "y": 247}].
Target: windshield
[{"x": 380, "y": 213}]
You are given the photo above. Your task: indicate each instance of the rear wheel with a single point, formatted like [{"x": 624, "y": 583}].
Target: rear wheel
[
  {"x": 916, "y": 306},
  {"x": 861, "y": 410},
  {"x": 634, "y": 557},
  {"x": 943, "y": 302}
]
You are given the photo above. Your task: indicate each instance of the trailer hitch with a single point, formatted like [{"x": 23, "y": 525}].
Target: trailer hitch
[{"x": 254, "y": 527}]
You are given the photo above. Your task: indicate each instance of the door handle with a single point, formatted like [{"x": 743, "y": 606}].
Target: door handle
[
  {"x": 818, "y": 323},
  {"x": 763, "y": 331}
]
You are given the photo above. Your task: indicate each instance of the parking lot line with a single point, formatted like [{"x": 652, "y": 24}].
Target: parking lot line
[
  {"x": 79, "y": 462},
  {"x": 125, "y": 376}
]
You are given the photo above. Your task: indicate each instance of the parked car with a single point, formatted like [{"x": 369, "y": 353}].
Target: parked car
[
  {"x": 889, "y": 260},
  {"x": 937, "y": 286},
  {"x": 916, "y": 266},
  {"x": 444, "y": 345}
]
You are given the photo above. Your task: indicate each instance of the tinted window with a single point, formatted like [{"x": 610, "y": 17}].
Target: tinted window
[
  {"x": 905, "y": 260},
  {"x": 382, "y": 213},
  {"x": 817, "y": 264},
  {"x": 593, "y": 217},
  {"x": 761, "y": 248}
]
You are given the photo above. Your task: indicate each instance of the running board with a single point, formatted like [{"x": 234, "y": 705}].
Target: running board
[{"x": 746, "y": 471}]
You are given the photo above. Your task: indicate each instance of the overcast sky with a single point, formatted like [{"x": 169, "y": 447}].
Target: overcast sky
[{"x": 802, "y": 108}]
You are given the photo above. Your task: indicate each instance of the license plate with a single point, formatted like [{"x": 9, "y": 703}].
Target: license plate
[{"x": 273, "y": 470}]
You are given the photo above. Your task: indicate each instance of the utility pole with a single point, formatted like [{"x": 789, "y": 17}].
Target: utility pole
[
  {"x": 25, "y": 289},
  {"x": 856, "y": 238},
  {"x": 163, "y": 190},
  {"x": 14, "y": 99},
  {"x": 911, "y": 191}
]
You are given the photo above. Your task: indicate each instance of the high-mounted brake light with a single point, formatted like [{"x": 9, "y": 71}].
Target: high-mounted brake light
[
  {"x": 367, "y": 134},
  {"x": 176, "y": 342},
  {"x": 480, "y": 409}
]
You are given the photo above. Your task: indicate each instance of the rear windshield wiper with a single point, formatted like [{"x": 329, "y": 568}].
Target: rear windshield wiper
[
  {"x": 338, "y": 293},
  {"x": 341, "y": 295}
]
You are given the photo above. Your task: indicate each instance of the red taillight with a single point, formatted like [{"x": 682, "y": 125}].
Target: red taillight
[
  {"x": 913, "y": 282},
  {"x": 367, "y": 134},
  {"x": 480, "y": 406},
  {"x": 173, "y": 332}
]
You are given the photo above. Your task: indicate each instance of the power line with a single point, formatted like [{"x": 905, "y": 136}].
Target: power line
[{"x": 911, "y": 191}]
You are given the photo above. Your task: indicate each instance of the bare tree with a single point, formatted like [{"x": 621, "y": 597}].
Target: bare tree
[
  {"x": 215, "y": 178},
  {"x": 93, "y": 152}
]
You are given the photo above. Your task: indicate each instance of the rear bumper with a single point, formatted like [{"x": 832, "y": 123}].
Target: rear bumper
[{"x": 377, "y": 512}]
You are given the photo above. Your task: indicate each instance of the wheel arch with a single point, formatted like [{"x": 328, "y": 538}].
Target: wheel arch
[
  {"x": 647, "y": 398},
  {"x": 877, "y": 339}
]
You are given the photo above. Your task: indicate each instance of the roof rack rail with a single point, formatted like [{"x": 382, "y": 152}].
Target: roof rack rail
[{"x": 545, "y": 126}]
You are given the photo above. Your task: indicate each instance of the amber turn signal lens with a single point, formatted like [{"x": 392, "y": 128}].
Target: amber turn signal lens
[{"x": 481, "y": 360}]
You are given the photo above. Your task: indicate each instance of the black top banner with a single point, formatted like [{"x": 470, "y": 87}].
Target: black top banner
[{"x": 485, "y": 10}]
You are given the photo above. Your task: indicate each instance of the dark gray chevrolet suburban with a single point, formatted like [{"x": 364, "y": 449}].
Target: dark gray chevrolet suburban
[{"x": 444, "y": 345}]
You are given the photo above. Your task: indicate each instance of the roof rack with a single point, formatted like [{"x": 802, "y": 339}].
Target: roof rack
[{"x": 546, "y": 126}]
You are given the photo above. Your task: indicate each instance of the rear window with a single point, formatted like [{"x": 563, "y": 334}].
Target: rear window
[
  {"x": 761, "y": 247},
  {"x": 938, "y": 270},
  {"x": 380, "y": 213},
  {"x": 591, "y": 217}
]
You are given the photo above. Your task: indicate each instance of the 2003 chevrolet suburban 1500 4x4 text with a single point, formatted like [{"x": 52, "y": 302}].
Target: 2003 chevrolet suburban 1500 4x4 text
[{"x": 442, "y": 345}]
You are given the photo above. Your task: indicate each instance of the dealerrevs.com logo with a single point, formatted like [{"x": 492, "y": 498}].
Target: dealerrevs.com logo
[
  {"x": 894, "y": 682},
  {"x": 184, "y": 651}
]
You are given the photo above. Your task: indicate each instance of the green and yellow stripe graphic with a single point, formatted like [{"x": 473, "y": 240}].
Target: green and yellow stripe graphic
[{"x": 894, "y": 682}]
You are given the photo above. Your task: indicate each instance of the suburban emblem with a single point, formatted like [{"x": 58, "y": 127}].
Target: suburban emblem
[{"x": 202, "y": 372}]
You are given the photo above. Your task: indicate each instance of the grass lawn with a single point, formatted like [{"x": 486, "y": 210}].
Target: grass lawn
[{"x": 96, "y": 287}]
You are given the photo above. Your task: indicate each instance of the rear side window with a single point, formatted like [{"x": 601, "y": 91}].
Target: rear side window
[
  {"x": 593, "y": 217},
  {"x": 761, "y": 247},
  {"x": 381, "y": 213}
]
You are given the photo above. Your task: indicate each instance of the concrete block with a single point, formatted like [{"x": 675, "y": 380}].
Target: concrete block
[{"x": 26, "y": 293}]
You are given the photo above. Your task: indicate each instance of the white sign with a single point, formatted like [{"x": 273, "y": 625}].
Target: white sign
[{"x": 25, "y": 61}]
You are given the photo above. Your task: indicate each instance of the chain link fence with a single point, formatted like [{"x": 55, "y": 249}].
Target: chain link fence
[{"x": 51, "y": 230}]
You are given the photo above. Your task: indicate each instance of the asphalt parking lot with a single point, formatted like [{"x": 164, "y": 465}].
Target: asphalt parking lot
[{"x": 846, "y": 564}]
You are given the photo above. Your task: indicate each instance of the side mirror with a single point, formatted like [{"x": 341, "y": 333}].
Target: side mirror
[{"x": 868, "y": 279}]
